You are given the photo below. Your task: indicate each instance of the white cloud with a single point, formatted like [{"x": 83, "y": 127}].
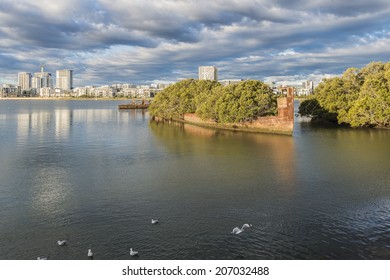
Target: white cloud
[
  {"x": 140, "y": 40},
  {"x": 287, "y": 52}
]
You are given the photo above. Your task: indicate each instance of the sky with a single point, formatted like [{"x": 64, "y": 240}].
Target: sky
[{"x": 152, "y": 41}]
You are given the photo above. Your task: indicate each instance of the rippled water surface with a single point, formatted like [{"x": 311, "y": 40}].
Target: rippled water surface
[{"x": 86, "y": 172}]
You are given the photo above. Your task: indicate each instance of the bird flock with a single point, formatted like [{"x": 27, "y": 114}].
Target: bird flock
[{"x": 133, "y": 253}]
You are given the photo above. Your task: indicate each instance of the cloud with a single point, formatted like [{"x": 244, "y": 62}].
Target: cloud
[{"x": 137, "y": 41}]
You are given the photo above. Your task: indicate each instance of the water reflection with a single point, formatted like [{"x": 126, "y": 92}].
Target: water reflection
[
  {"x": 261, "y": 153},
  {"x": 63, "y": 121},
  {"x": 37, "y": 125},
  {"x": 86, "y": 170},
  {"x": 50, "y": 191}
]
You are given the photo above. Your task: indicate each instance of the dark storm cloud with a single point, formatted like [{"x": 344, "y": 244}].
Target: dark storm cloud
[{"x": 137, "y": 41}]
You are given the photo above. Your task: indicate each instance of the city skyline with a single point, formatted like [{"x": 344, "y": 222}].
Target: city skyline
[{"x": 139, "y": 42}]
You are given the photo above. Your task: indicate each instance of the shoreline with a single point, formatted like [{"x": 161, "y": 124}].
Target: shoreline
[
  {"x": 70, "y": 98},
  {"x": 235, "y": 127}
]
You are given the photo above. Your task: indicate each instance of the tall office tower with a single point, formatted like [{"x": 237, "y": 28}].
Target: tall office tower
[
  {"x": 308, "y": 87},
  {"x": 64, "y": 79},
  {"x": 208, "y": 73},
  {"x": 24, "y": 80},
  {"x": 36, "y": 82},
  {"x": 42, "y": 79}
]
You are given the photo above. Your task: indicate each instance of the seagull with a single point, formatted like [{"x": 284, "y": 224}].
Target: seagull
[
  {"x": 133, "y": 253},
  {"x": 90, "y": 254},
  {"x": 237, "y": 230},
  {"x": 155, "y": 221},
  {"x": 61, "y": 242},
  {"x": 42, "y": 258}
]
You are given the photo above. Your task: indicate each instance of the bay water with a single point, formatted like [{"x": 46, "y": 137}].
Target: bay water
[{"x": 84, "y": 171}]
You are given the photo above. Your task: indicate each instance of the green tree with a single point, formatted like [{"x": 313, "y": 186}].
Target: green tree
[
  {"x": 373, "y": 106},
  {"x": 206, "y": 104},
  {"x": 179, "y": 98},
  {"x": 358, "y": 98},
  {"x": 330, "y": 94},
  {"x": 244, "y": 101},
  {"x": 311, "y": 108}
]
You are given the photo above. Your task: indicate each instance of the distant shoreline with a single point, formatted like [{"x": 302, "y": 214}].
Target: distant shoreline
[{"x": 68, "y": 98}]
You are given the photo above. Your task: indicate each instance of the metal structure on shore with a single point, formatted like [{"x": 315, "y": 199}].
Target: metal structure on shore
[{"x": 136, "y": 104}]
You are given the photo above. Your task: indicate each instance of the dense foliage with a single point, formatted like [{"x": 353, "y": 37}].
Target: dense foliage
[
  {"x": 244, "y": 101},
  {"x": 358, "y": 98},
  {"x": 179, "y": 98}
]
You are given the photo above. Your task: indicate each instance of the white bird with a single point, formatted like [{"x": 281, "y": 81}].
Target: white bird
[
  {"x": 42, "y": 258},
  {"x": 133, "y": 253},
  {"x": 90, "y": 254},
  {"x": 237, "y": 230},
  {"x": 155, "y": 221},
  {"x": 61, "y": 242}
]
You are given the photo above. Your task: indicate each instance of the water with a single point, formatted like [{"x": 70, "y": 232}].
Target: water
[{"x": 86, "y": 172}]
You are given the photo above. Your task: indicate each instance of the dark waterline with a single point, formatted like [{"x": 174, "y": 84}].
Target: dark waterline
[{"x": 86, "y": 172}]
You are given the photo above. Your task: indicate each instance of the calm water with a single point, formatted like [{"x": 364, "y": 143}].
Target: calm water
[{"x": 86, "y": 172}]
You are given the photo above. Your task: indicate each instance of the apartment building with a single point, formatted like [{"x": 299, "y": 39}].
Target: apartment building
[
  {"x": 64, "y": 79},
  {"x": 208, "y": 73}
]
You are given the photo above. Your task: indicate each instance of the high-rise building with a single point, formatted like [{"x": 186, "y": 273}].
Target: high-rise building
[
  {"x": 208, "y": 73},
  {"x": 42, "y": 79},
  {"x": 24, "y": 80},
  {"x": 36, "y": 82},
  {"x": 307, "y": 87},
  {"x": 64, "y": 79}
]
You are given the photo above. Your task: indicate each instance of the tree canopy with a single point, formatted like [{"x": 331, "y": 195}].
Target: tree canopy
[
  {"x": 244, "y": 101},
  {"x": 357, "y": 98},
  {"x": 179, "y": 98}
]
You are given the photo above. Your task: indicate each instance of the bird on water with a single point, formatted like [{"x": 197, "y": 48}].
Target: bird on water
[
  {"x": 155, "y": 221},
  {"x": 133, "y": 253},
  {"x": 90, "y": 254},
  {"x": 237, "y": 230},
  {"x": 61, "y": 242}
]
